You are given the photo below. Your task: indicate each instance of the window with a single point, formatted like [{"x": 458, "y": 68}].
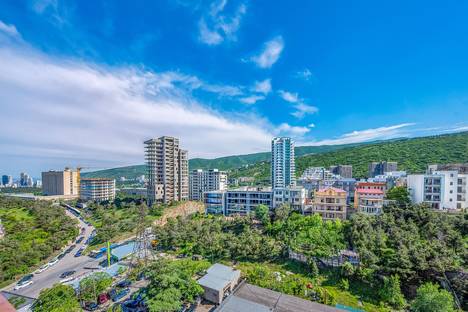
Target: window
[
  {"x": 451, "y": 183},
  {"x": 451, "y": 192}
]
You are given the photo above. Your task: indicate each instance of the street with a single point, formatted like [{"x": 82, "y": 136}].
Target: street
[{"x": 50, "y": 276}]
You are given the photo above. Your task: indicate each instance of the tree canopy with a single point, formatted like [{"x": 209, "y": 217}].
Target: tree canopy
[{"x": 60, "y": 298}]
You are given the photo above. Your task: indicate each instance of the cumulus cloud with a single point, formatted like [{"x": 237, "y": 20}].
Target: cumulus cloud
[
  {"x": 78, "y": 112},
  {"x": 218, "y": 26},
  {"x": 366, "y": 135},
  {"x": 289, "y": 96},
  {"x": 311, "y": 125},
  {"x": 295, "y": 131},
  {"x": 304, "y": 74},
  {"x": 270, "y": 53}
]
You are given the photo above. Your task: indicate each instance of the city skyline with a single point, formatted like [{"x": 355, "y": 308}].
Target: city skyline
[{"x": 85, "y": 86}]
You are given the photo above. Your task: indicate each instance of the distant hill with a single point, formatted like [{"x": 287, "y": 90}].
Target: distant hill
[
  {"x": 411, "y": 154},
  {"x": 222, "y": 163}
]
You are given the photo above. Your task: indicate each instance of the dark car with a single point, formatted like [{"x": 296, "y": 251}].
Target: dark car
[
  {"x": 119, "y": 295},
  {"x": 134, "y": 306},
  {"x": 91, "y": 306},
  {"x": 80, "y": 239},
  {"x": 25, "y": 279},
  {"x": 78, "y": 253},
  {"x": 61, "y": 256},
  {"x": 124, "y": 283},
  {"x": 67, "y": 274}
]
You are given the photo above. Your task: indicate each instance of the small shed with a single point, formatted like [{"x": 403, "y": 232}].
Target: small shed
[{"x": 218, "y": 282}]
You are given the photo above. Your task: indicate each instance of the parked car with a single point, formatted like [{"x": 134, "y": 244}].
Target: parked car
[
  {"x": 42, "y": 268},
  {"x": 79, "y": 252},
  {"x": 67, "y": 273},
  {"x": 61, "y": 256},
  {"x": 68, "y": 279},
  {"x": 124, "y": 283},
  {"x": 53, "y": 262},
  {"x": 23, "y": 285},
  {"x": 69, "y": 249},
  {"x": 133, "y": 306},
  {"x": 80, "y": 239},
  {"x": 119, "y": 295},
  {"x": 103, "y": 298},
  {"x": 91, "y": 306}
]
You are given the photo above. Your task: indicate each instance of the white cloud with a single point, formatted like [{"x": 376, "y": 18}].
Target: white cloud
[
  {"x": 216, "y": 27},
  {"x": 252, "y": 99},
  {"x": 311, "y": 125},
  {"x": 288, "y": 96},
  {"x": 9, "y": 30},
  {"x": 294, "y": 131},
  {"x": 262, "y": 86},
  {"x": 381, "y": 133},
  {"x": 303, "y": 109},
  {"x": 82, "y": 113},
  {"x": 270, "y": 54}
]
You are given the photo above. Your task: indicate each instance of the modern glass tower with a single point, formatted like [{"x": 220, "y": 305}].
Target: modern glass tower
[{"x": 283, "y": 170}]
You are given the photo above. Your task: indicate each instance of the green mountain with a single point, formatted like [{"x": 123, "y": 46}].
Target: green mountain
[{"x": 412, "y": 155}]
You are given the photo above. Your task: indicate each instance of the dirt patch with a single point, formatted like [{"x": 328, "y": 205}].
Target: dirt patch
[{"x": 183, "y": 209}]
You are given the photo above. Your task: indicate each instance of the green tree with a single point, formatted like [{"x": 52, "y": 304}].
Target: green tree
[
  {"x": 282, "y": 212},
  {"x": 60, "y": 298},
  {"x": 391, "y": 292},
  {"x": 429, "y": 298},
  {"x": 400, "y": 194},
  {"x": 93, "y": 285},
  {"x": 262, "y": 213}
]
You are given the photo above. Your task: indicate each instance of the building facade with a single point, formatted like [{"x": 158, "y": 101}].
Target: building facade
[
  {"x": 244, "y": 200},
  {"x": 295, "y": 196},
  {"x": 64, "y": 182},
  {"x": 7, "y": 180},
  {"x": 369, "y": 200},
  {"x": 167, "y": 170},
  {"x": 206, "y": 180},
  {"x": 381, "y": 167},
  {"x": 330, "y": 203},
  {"x": 441, "y": 190},
  {"x": 344, "y": 171},
  {"x": 283, "y": 169},
  {"x": 97, "y": 189},
  {"x": 215, "y": 202}
]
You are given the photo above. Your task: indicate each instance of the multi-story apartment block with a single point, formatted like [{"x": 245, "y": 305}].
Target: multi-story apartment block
[
  {"x": 167, "y": 167},
  {"x": 215, "y": 202},
  {"x": 440, "y": 189},
  {"x": 381, "y": 167},
  {"x": 64, "y": 182},
  {"x": 97, "y": 189},
  {"x": 369, "y": 200},
  {"x": 295, "y": 196},
  {"x": 345, "y": 171},
  {"x": 461, "y": 168},
  {"x": 283, "y": 170},
  {"x": 203, "y": 181},
  {"x": 7, "y": 180},
  {"x": 330, "y": 203},
  {"x": 244, "y": 200}
]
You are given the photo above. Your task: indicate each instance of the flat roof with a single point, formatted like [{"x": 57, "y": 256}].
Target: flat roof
[{"x": 218, "y": 276}]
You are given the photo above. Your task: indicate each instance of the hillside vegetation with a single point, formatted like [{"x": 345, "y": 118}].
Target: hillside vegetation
[{"x": 412, "y": 155}]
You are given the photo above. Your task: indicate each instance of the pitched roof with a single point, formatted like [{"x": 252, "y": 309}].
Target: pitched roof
[{"x": 335, "y": 189}]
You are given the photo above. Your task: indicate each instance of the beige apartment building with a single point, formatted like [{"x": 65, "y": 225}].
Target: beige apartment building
[
  {"x": 97, "y": 189},
  {"x": 167, "y": 167},
  {"x": 330, "y": 203},
  {"x": 64, "y": 182}
]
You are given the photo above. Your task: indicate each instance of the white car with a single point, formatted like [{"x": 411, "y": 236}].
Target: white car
[
  {"x": 42, "y": 268},
  {"x": 22, "y": 285},
  {"x": 53, "y": 262},
  {"x": 68, "y": 279}
]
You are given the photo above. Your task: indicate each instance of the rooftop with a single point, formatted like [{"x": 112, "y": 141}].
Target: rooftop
[
  {"x": 218, "y": 276},
  {"x": 335, "y": 189},
  {"x": 370, "y": 191}
]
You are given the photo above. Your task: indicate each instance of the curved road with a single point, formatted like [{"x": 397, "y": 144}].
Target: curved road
[{"x": 49, "y": 277}]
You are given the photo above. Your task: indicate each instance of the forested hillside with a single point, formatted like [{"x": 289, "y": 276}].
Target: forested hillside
[{"x": 411, "y": 154}]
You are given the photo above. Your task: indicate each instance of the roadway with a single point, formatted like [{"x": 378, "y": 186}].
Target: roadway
[{"x": 82, "y": 265}]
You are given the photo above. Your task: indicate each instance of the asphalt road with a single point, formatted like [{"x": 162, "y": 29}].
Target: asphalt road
[{"x": 50, "y": 276}]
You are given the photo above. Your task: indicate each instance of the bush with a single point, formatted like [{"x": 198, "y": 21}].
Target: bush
[
  {"x": 344, "y": 284},
  {"x": 429, "y": 298}
]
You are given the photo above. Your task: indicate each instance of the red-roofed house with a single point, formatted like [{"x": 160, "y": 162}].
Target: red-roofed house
[
  {"x": 369, "y": 200},
  {"x": 330, "y": 203},
  {"x": 5, "y": 306}
]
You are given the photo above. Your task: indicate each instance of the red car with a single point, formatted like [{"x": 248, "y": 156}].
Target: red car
[{"x": 103, "y": 298}]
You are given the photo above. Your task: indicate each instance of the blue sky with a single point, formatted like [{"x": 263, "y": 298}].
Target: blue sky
[{"x": 84, "y": 83}]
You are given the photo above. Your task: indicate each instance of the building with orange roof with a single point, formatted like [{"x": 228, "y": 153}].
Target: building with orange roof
[{"x": 330, "y": 203}]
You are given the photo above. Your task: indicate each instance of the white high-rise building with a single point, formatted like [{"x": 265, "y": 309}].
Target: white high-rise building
[
  {"x": 167, "y": 167},
  {"x": 447, "y": 189},
  {"x": 283, "y": 170},
  {"x": 204, "y": 181}
]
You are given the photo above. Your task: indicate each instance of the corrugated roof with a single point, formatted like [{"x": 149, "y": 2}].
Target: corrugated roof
[{"x": 236, "y": 304}]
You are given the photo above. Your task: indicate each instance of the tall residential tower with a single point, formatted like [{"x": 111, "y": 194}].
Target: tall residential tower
[
  {"x": 283, "y": 170},
  {"x": 167, "y": 167}
]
